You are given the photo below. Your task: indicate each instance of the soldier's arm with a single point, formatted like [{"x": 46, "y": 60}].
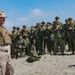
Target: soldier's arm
[
  {"x": 24, "y": 44},
  {"x": 54, "y": 28}
]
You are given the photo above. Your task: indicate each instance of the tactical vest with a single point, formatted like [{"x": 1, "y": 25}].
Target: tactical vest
[{"x": 4, "y": 37}]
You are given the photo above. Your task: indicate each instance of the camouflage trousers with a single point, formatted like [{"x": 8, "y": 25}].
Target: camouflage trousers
[
  {"x": 6, "y": 48},
  {"x": 5, "y": 66}
]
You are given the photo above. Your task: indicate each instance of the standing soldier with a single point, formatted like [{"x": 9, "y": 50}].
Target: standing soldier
[
  {"x": 25, "y": 32},
  {"x": 71, "y": 34},
  {"x": 42, "y": 40},
  {"x": 57, "y": 31},
  {"x": 47, "y": 37},
  {"x": 14, "y": 35},
  {"x": 38, "y": 38},
  {"x": 31, "y": 37},
  {"x": 65, "y": 31},
  {"x": 18, "y": 32},
  {"x": 66, "y": 40},
  {"x": 5, "y": 42}
]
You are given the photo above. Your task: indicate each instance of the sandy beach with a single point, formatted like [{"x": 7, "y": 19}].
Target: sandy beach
[{"x": 47, "y": 65}]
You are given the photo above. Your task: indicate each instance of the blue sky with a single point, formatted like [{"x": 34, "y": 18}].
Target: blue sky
[{"x": 29, "y": 12}]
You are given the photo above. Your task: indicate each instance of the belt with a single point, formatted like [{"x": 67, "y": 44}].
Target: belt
[{"x": 1, "y": 50}]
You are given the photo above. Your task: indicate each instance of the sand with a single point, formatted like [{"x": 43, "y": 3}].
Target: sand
[{"x": 47, "y": 65}]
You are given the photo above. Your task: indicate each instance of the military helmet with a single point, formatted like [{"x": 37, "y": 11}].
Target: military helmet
[
  {"x": 35, "y": 27},
  {"x": 66, "y": 20},
  {"x": 18, "y": 28},
  {"x": 14, "y": 27},
  {"x": 42, "y": 22},
  {"x": 69, "y": 19},
  {"x": 47, "y": 25},
  {"x": 32, "y": 26},
  {"x": 24, "y": 26},
  {"x": 57, "y": 17},
  {"x": 38, "y": 25}
]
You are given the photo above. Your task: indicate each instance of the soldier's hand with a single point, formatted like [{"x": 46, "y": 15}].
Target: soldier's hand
[
  {"x": 57, "y": 27},
  {"x": 9, "y": 33},
  {"x": 20, "y": 46},
  {"x": 25, "y": 34},
  {"x": 70, "y": 28}
]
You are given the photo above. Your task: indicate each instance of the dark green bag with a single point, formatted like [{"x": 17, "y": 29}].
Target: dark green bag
[{"x": 30, "y": 59}]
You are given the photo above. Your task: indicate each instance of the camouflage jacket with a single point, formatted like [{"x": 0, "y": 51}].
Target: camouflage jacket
[
  {"x": 57, "y": 33},
  {"x": 21, "y": 42}
]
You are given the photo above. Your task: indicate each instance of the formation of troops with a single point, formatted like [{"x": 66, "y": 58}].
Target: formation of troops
[
  {"x": 50, "y": 37},
  {"x": 34, "y": 42}
]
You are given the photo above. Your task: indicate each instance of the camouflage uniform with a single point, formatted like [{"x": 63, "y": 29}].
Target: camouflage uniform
[
  {"x": 31, "y": 38},
  {"x": 47, "y": 37},
  {"x": 65, "y": 31},
  {"x": 66, "y": 39},
  {"x": 5, "y": 42},
  {"x": 20, "y": 46},
  {"x": 25, "y": 34},
  {"x": 14, "y": 35},
  {"x": 37, "y": 42},
  {"x": 42, "y": 36},
  {"x": 71, "y": 34},
  {"x": 38, "y": 38},
  {"x": 58, "y": 41}
]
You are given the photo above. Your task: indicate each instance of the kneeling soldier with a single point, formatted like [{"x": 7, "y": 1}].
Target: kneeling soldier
[{"x": 20, "y": 46}]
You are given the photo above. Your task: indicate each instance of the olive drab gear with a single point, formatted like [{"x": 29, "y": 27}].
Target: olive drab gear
[
  {"x": 24, "y": 33},
  {"x": 33, "y": 57},
  {"x": 22, "y": 43},
  {"x": 14, "y": 39},
  {"x": 48, "y": 39},
  {"x": 31, "y": 39},
  {"x": 38, "y": 40},
  {"x": 58, "y": 34},
  {"x": 71, "y": 35}
]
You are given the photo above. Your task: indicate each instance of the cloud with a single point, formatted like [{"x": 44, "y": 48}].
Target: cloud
[
  {"x": 12, "y": 12},
  {"x": 37, "y": 12},
  {"x": 63, "y": 12},
  {"x": 41, "y": 14},
  {"x": 33, "y": 16}
]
